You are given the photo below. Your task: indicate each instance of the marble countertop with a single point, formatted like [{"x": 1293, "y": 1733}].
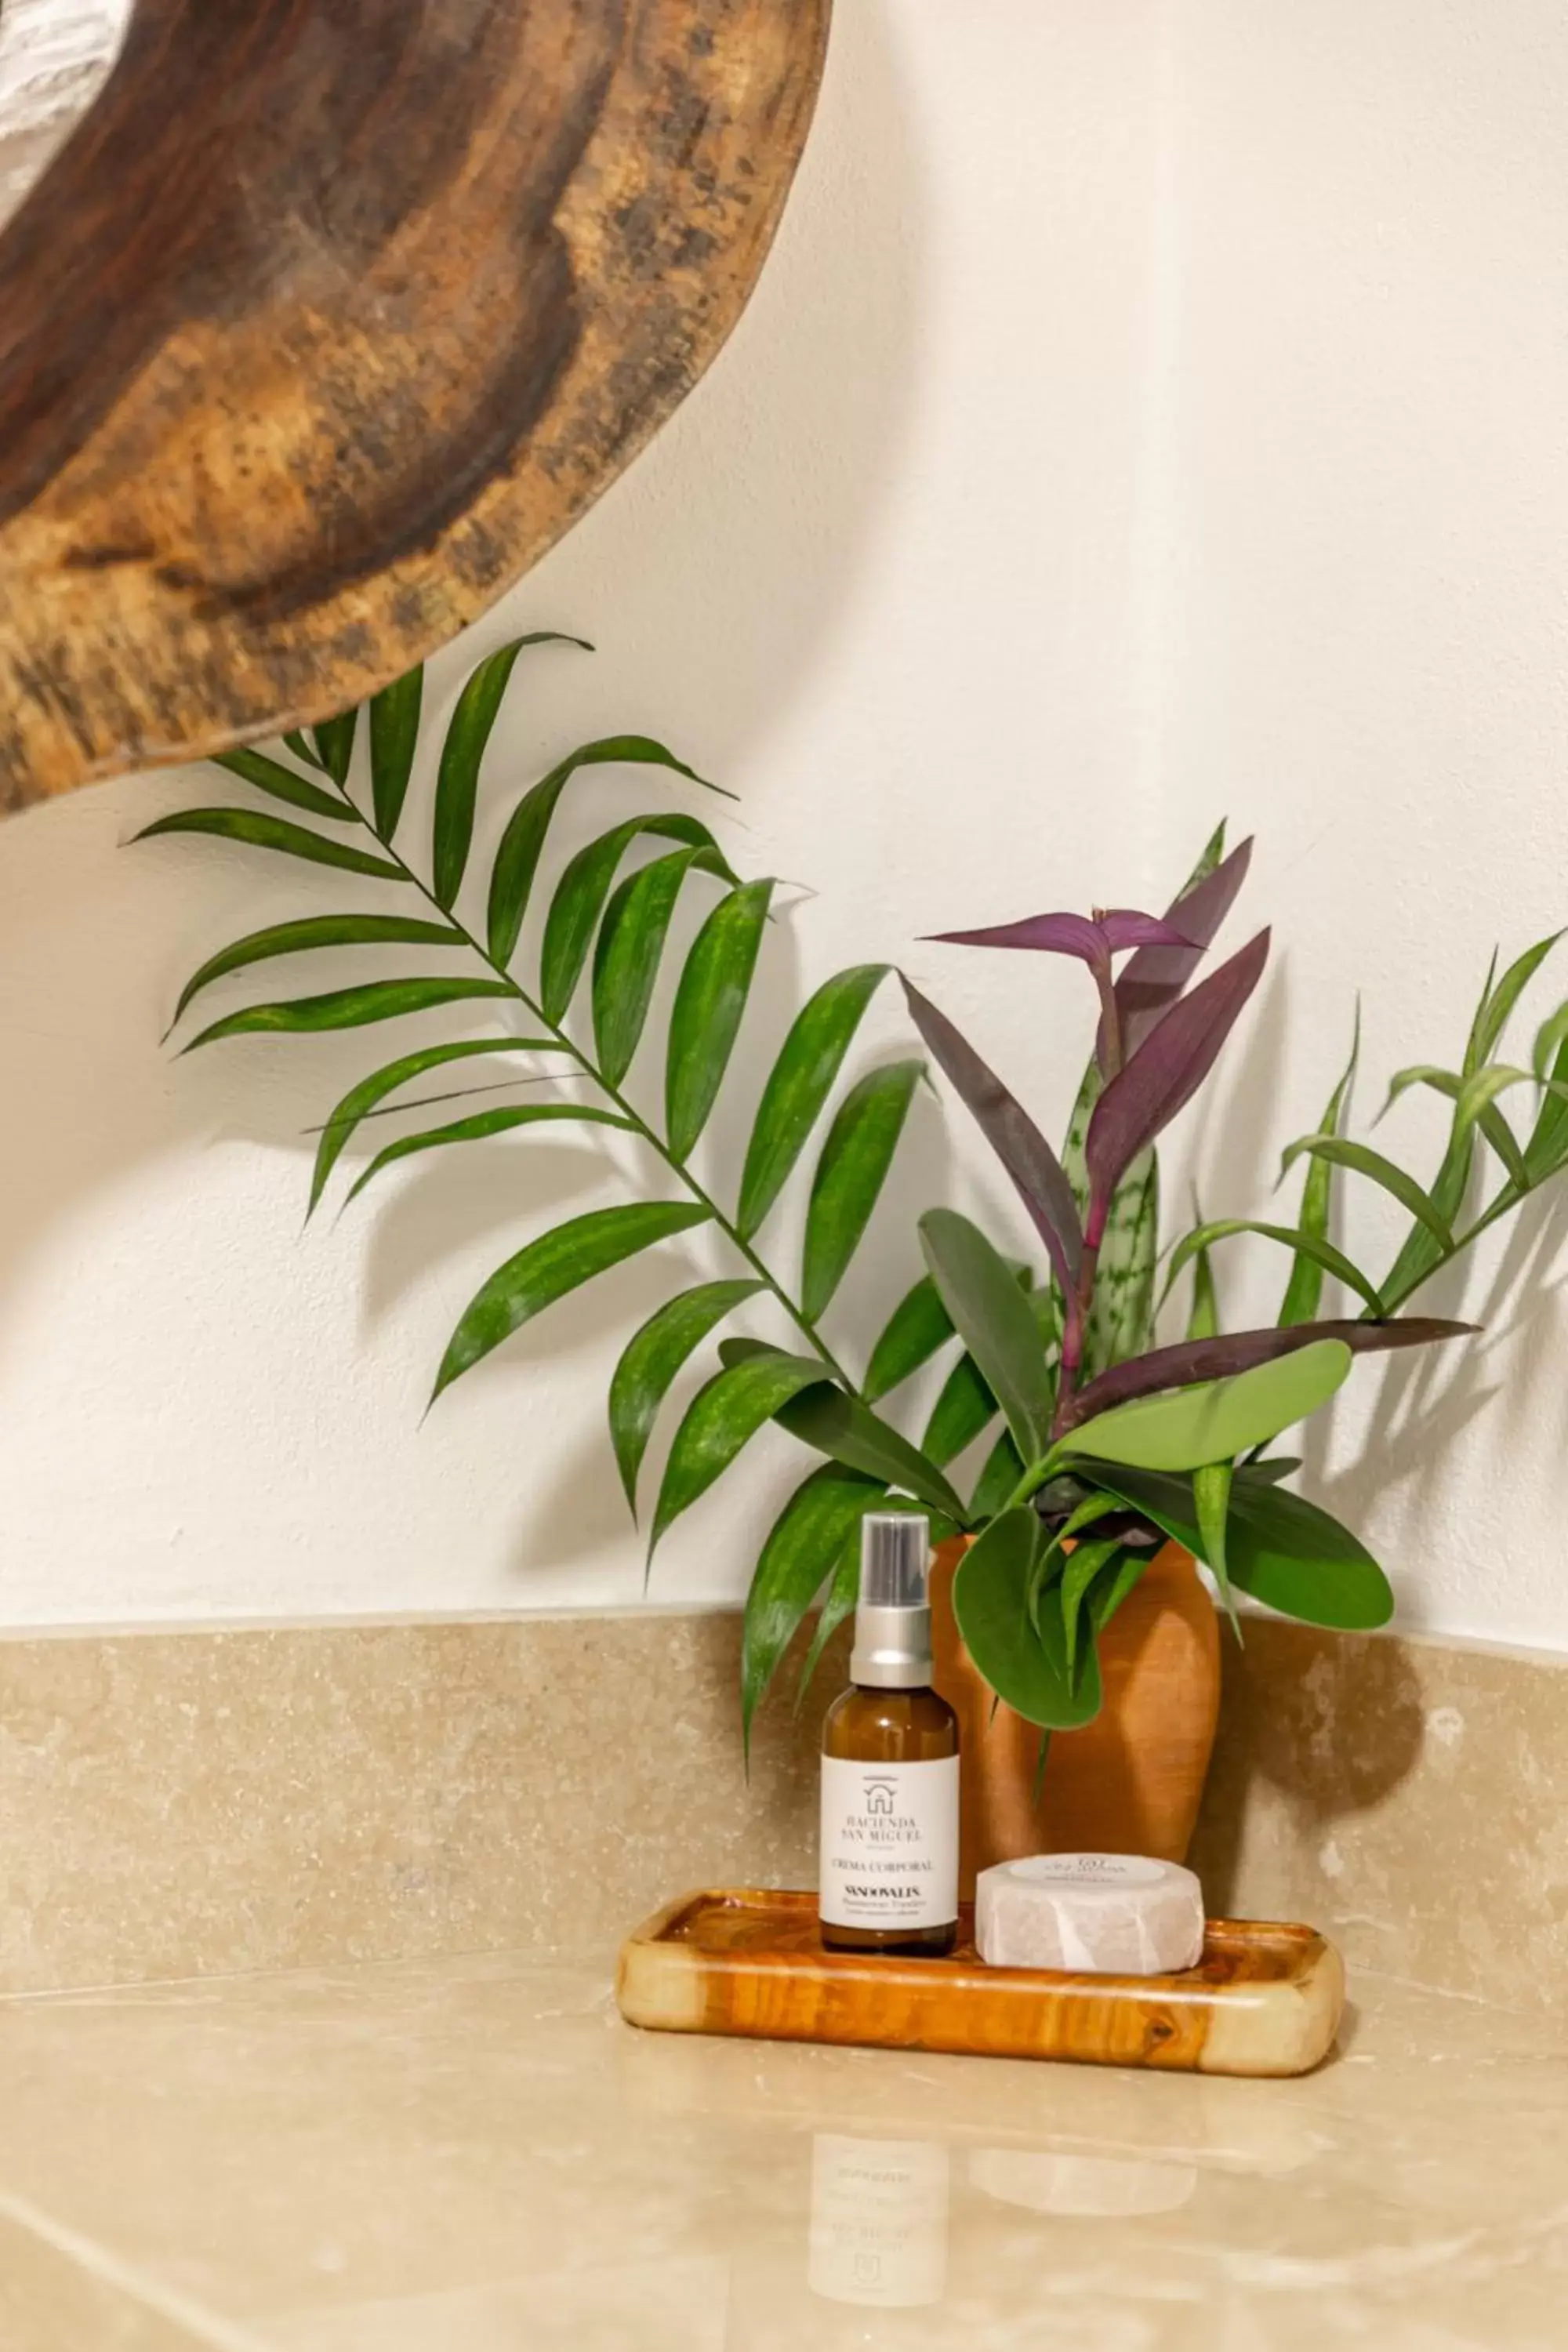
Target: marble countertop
[{"x": 477, "y": 2155}]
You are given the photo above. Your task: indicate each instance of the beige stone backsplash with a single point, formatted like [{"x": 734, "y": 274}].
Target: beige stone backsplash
[{"x": 190, "y": 1803}]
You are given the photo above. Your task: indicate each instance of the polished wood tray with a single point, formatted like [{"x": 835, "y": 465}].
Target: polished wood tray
[{"x": 1264, "y": 1998}]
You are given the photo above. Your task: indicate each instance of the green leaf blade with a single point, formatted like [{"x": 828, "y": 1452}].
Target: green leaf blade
[
  {"x": 1309, "y": 1249},
  {"x": 334, "y": 741},
  {"x": 964, "y": 1410},
  {"x": 1122, "y": 1317},
  {"x": 1027, "y": 1668},
  {"x": 721, "y": 1420},
  {"x": 798, "y": 1086},
  {"x": 916, "y": 1330},
  {"x": 346, "y": 1008},
  {"x": 1213, "y": 1482},
  {"x": 480, "y": 1126},
  {"x": 260, "y": 831},
  {"x": 992, "y": 1316},
  {"x": 709, "y": 1001},
  {"x": 393, "y": 740},
  {"x": 1281, "y": 1550},
  {"x": 560, "y": 1262},
  {"x": 1343, "y": 1153},
  {"x": 1304, "y": 1290},
  {"x": 282, "y": 783},
  {"x": 522, "y": 842},
  {"x": 580, "y": 893},
  {"x": 309, "y": 934},
  {"x": 850, "y": 1433},
  {"x": 462, "y": 755},
  {"x": 815, "y": 1535},
  {"x": 627, "y": 955},
  {"x": 362, "y": 1099},
  {"x": 851, "y": 1172},
  {"x": 650, "y": 1361},
  {"x": 1214, "y": 1421}
]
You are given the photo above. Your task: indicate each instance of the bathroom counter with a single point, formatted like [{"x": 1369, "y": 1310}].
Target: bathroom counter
[{"x": 477, "y": 2155}]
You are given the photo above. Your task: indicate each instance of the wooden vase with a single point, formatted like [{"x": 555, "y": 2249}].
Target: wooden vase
[{"x": 1129, "y": 1783}]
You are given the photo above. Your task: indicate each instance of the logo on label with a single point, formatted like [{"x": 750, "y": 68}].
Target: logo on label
[{"x": 879, "y": 1795}]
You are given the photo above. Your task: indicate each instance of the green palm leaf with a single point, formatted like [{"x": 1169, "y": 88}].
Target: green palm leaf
[
  {"x": 347, "y": 1008},
  {"x": 1309, "y": 1249},
  {"x": 723, "y": 1416},
  {"x": 311, "y": 932},
  {"x": 457, "y": 780},
  {"x": 335, "y": 744},
  {"x": 799, "y": 1084},
  {"x": 361, "y": 1101},
  {"x": 393, "y": 740},
  {"x": 1304, "y": 1291},
  {"x": 263, "y": 832},
  {"x": 917, "y": 1328},
  {"x": 517, "y": 859},
  {"x": 580, "y": 893},
  {"x": 627, "y": 950},
  {"x": 814, "y": 1535},
  {"x": 1497, "y": 1003},
  {"x": 709, "y": 1002},
  {"x": 549, "y": 1269},
  {"x": 271, "y": 776},
  {"x": 850, "y": 1173},
  {"x": 838, "y": 1602},
  {"x": 849, "y": 1432},
  {"x": 478, "y": 1127},
  {"x": 650, "y": 1361},
  {"x": 1343, "y": 1153}
]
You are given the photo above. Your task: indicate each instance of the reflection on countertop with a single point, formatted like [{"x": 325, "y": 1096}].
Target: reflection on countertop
[{"x": 477, "y": 2155}]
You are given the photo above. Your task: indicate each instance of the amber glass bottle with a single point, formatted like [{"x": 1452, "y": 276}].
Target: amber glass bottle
[{"x": 888, "y": 1877}]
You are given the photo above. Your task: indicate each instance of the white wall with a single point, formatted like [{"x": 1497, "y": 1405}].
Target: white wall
[{"x": 1149, "y": 410}]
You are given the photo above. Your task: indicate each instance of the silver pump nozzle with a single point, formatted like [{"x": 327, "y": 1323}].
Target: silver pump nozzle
[{"x": 892, "y": 1620}]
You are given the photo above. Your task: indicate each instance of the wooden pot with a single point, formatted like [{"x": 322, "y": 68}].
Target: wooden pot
[{"x": 1129, "y": 1783}]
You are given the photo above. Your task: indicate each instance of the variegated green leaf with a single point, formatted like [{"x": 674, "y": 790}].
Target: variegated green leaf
[{"x": 261, "y": 831}]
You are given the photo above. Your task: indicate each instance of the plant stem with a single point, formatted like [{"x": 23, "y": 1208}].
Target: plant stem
[
  {"x": 1032, "y": 1478},
  {"x": 634, "y": 1118}
]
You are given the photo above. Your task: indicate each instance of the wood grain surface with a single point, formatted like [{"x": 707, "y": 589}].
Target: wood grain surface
[
  {"x": 1265, "y": 2000},
  {"x": 328, "y": 320}
]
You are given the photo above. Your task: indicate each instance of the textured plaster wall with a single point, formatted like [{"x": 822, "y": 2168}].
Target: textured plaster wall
[{"x": 1151, "y": 412}]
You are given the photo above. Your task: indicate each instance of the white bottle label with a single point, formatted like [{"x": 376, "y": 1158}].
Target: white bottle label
[{"x": 889, "y": 1843}]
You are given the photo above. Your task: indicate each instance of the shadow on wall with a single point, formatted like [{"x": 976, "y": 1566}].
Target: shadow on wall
[{"x": 710, "y": 577}]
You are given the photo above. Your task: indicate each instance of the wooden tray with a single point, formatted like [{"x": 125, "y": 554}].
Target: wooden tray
[{"x": 1264, "y": 2000}]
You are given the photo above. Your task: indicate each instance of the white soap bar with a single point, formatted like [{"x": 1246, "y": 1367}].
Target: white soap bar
[{"x": 1107, "y": 1914}]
